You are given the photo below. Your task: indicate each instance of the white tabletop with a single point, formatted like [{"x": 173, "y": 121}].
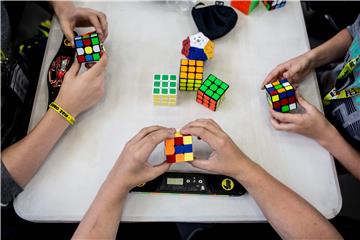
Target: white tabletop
[{"x": 145, "y": 38}]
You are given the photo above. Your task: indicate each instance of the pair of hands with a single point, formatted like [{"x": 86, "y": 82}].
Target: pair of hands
[
  {"x": 132, "y": 167},
  {"x": 311, "y": 122},
  {"x": 81, "y": 91}
]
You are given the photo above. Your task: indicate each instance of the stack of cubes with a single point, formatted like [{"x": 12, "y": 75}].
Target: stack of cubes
[
  {"x": 179, "y": 148},
  {"x": 211, "y": 92},
  {"x": 88, "y": 47},
  {"x": 191, "y": 74},
  {"x": 165, "y": 89},
  {"x": 281, "y": 96}
]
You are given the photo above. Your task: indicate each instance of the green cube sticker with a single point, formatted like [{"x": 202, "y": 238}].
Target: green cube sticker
[
  {"x": 95, "y": 41},
  {"x": 203, "y": 88},
  {"x": 172, "y": 91},
  {"x": 157, "y": 77},
  {"x": 278, "y": 86},
  {"x": 164, "y": 91},
  {"x": 156, "y": 84},
  {"x": 218, "y": 82},
  {"x": 285, "y": 108},
  {"x": 156, "y": 90},
  {"x": 165, "y": 77},
  {"x": 173, "y": 77},
  {"x": 172, "y": 84},
  {"x": 96, "y": 56},
  {"x": 215, "y": 96},
  {"x": 211, "y": 77},
  {"x": 220, "y": 91},
  {"x": 213, "y": 87},
  {"x": 209, "y": 92},
  {"x": 164, "y": 84},
  {"x": 207, "y": 83},
  {"x": 224, "y": 86}
]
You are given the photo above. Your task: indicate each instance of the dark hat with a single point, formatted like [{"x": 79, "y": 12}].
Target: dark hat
[{"x": 214, "y": 21}]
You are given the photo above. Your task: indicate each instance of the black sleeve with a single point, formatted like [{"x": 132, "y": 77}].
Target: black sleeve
[{"x": 9, "y": 188}]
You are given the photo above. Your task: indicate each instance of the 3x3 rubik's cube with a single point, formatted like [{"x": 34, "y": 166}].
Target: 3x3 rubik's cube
[
  {"x": 281, "y": 96},
  {"x": 88, "y": 47},
  {"x": 165, "y": 89},
  {"x": 179, "y": 148}
]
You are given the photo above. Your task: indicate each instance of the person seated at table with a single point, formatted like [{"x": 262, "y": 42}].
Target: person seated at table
[
  {"x": 290, "y": 215},
  {"x": 79, "y": 92},
  {"x": 343, "y": 110}
]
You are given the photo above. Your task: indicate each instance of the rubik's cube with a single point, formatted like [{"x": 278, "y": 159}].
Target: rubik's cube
[
  {"x": 165, "y": 89},
  {"x": 179, "y": 148},
  {"x": 88, "y": 47},
  {"x": 245, "y": 6},
  {"x": 211, "y": 92},
  {"x": 270, "y": 5},
  {"x": 281, "y": 96},
  {"x": 191, "y": 74},
  {"x": 198, "y": 47}
]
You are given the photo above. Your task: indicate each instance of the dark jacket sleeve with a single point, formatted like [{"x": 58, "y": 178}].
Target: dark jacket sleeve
[{"x": 9, "y": 188}]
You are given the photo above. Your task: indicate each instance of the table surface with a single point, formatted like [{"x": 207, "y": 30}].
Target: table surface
[{"x": 145, "y": 38}]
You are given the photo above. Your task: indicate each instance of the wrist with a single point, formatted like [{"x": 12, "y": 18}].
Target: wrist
[
  {"x": 327, "y": 137},
  {"x": 311, "y": 57},
  {"x": 68, "y": 107}
]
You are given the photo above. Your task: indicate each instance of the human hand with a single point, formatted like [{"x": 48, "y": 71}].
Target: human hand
[
  {"x": 79, "y": 92},
  {"x": 70, "y": 17},
  {"x": 132, "y": 167},
  {"x": 311, "y": 123},
  {"x": 294, "y": 70},
  {"x": 226, "y": 158}
]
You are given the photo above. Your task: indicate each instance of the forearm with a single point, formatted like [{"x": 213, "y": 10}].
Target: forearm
[
  {"x": 24, "y": 158},
  {"x": 290, "y": 215},
  {"x": 331, "y": 50},
  {"x": 333, "y": 142},
  {"x": 60, "y": 6},
  {"x": 102, "y": 219}
]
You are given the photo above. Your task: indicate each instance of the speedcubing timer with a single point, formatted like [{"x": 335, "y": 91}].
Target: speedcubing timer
[
  {"x": 198, "y": 47},
  {"x": 191, "y": 74},
  {"x": 211, "y": 92},
  {"x": 88, "y": 47},
  {"x": 179, "y": 148},
  {"x": 165, "y": 89},
  {"x": 281, "y": 96},
  {"x": 245, "y": 6},
  {"x": 271, "y": 5}
]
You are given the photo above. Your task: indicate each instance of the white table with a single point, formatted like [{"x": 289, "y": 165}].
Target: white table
[{"x": 144, "y": 39}]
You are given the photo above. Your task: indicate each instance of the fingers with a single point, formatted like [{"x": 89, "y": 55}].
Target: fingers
[
  {"x": 68, "y": 32},
  {"x": 104, "y": 24},
  {"x": 209, "y": 124},
  {"x": 143, "y": 132},
  {"x": 305, "y": 104},
  {"x": 147, "y": 144},
  {"x": 282, "y": 126},
  {"x": 99, "y": 67},
  {"x": 204, "y": 134},
  {"x": 274, "y": 75},
  {"x": 74, "y": 70},
  {"x": 284, "y": 117}
]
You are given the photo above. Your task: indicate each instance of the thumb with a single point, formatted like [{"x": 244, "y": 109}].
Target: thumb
[
  {"x": 157, "y": 170},
  {"x": 202, "y": 164},
  {"x": 75, "y": 68},
  {"x": 305, "y": 104},
  {"x": 69, "y": 33},
  {"x": 99, "y": 66}
]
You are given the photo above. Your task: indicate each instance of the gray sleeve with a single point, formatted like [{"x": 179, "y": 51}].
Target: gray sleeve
[
  {"x": 9, "y": 188},
  {"x": 355, "y": 27}
]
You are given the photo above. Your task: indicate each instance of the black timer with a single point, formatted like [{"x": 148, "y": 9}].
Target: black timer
[{"x": 196, "y": 183}]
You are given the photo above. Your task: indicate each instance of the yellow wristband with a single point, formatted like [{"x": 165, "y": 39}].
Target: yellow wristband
[{"x": 62, "y": 113}]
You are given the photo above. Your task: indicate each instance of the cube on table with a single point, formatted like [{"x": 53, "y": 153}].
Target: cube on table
[
  {"x": 165, "y": 89},
  {"x": 191, "y": 74}
]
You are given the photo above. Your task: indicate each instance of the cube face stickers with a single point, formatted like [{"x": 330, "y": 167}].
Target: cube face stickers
[
  {"x": 281, "y": 96},
  {"x": 88, "y": 47},
  {"x": 179, "y": 148}
]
